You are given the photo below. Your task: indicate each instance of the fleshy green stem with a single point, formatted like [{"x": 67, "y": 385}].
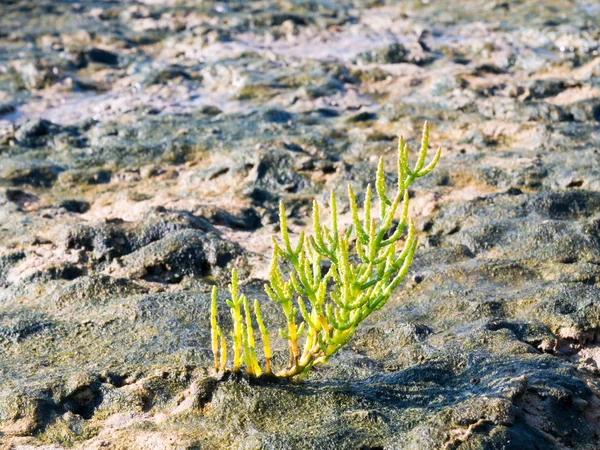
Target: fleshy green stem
[{"x": 364, "y": 269}]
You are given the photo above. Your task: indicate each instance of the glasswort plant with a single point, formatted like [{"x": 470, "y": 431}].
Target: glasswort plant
[{"x": 364, "y": 270}]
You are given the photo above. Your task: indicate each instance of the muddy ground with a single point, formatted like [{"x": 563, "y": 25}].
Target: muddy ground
[{"x": 144, "y": 147}]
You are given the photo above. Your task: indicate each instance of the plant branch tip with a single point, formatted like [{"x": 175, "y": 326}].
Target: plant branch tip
[{"x": 323, "y": 311}]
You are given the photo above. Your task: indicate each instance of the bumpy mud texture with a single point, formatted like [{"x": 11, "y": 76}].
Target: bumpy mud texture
[{"x": 144, "y": 147}]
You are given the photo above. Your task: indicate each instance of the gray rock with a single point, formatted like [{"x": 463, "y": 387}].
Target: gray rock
[
  {"x": 183, "y": 253},
  {"x": 126, "y": 197}
]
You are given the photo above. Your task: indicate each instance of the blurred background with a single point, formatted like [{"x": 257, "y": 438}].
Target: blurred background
[{"x": 145, "y": 145}]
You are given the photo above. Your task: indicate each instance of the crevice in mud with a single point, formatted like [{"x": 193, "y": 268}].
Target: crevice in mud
[
  {"x": 217, "y": 114},
  {"x": 163, "y": 273},
  {"x": 569, "y": 260},
  {"x": 113, "y": 379},
  {"x": 575, "y": 183},
  {"x": 148, "y": 402},
  {"x": 84, "y": 400},
  {"x": 67, "y": 272}
]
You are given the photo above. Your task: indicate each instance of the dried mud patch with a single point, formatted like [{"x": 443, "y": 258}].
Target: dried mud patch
[{"x": 144, "y": 149}]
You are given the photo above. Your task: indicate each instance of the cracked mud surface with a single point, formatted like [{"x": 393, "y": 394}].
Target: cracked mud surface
[{"x": 144, "y": 147}]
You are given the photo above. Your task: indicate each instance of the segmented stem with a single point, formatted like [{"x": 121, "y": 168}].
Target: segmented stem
[
  {"x": 363, "y": 270},
  {"x": 214, "y": 333}
]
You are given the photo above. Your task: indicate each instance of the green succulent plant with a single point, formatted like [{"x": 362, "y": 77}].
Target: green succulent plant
[{"x": 337, "y": 279}]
